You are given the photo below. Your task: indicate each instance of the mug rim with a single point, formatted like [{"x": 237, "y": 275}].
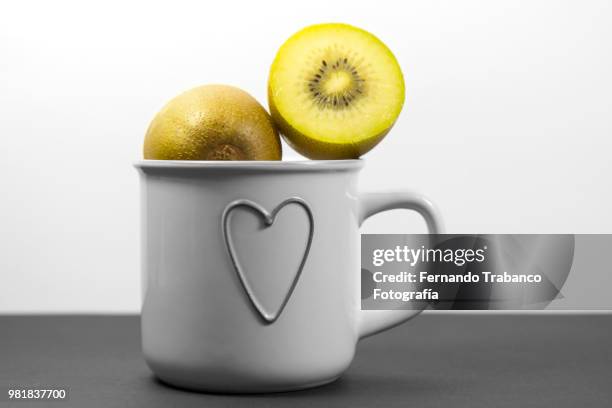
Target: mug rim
[{"x": 305, "y": 164}]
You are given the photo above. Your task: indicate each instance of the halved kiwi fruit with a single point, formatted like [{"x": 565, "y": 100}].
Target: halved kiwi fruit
[
  {"x": 334, "y": 91},
  {"x": 212, "y": 122}
]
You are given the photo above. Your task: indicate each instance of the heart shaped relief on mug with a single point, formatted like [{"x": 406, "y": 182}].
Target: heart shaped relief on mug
[{"x": 273, "y": 255}]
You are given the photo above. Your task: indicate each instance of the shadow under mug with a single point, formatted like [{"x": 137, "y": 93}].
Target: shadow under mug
[{"x": 251, "y": 271}]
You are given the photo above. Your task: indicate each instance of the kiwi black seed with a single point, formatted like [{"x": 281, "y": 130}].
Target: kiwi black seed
[{"x": 335, "y": 100}]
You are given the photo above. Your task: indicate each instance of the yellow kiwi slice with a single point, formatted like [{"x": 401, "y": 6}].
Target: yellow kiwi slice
[
  {"x": 334, "y": 91},
  {"x": 212, "y": 122}
]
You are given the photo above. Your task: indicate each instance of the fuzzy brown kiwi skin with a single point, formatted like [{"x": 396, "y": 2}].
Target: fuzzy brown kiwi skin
[
  {"x": 317, "y": 149},
  {"x": 212, "y": 122}
]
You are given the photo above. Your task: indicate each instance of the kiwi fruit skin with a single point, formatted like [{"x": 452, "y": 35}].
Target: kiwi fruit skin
[
  {"x": 212, "y": 122},
  {"x": 321, "y": 146}
]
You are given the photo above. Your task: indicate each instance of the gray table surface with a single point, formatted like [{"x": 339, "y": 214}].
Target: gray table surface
[{"x": 433, "y": 361}]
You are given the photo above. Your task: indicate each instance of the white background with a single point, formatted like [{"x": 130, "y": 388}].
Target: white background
[{"x": 507, "y": 123}]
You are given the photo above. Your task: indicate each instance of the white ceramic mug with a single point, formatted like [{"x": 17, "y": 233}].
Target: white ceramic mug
[{"x": 251, "y": 271}]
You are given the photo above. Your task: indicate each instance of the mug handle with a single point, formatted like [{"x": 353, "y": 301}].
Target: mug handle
[{"x": 375, "y": 321}]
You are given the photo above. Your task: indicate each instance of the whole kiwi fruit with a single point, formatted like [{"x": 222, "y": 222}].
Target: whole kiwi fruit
[{"x": 212, "y": 122}]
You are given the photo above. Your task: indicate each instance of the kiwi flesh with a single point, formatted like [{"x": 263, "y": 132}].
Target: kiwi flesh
[
  {"x": 334, "y": 91},
  {"x": 212, "y": 122}
]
